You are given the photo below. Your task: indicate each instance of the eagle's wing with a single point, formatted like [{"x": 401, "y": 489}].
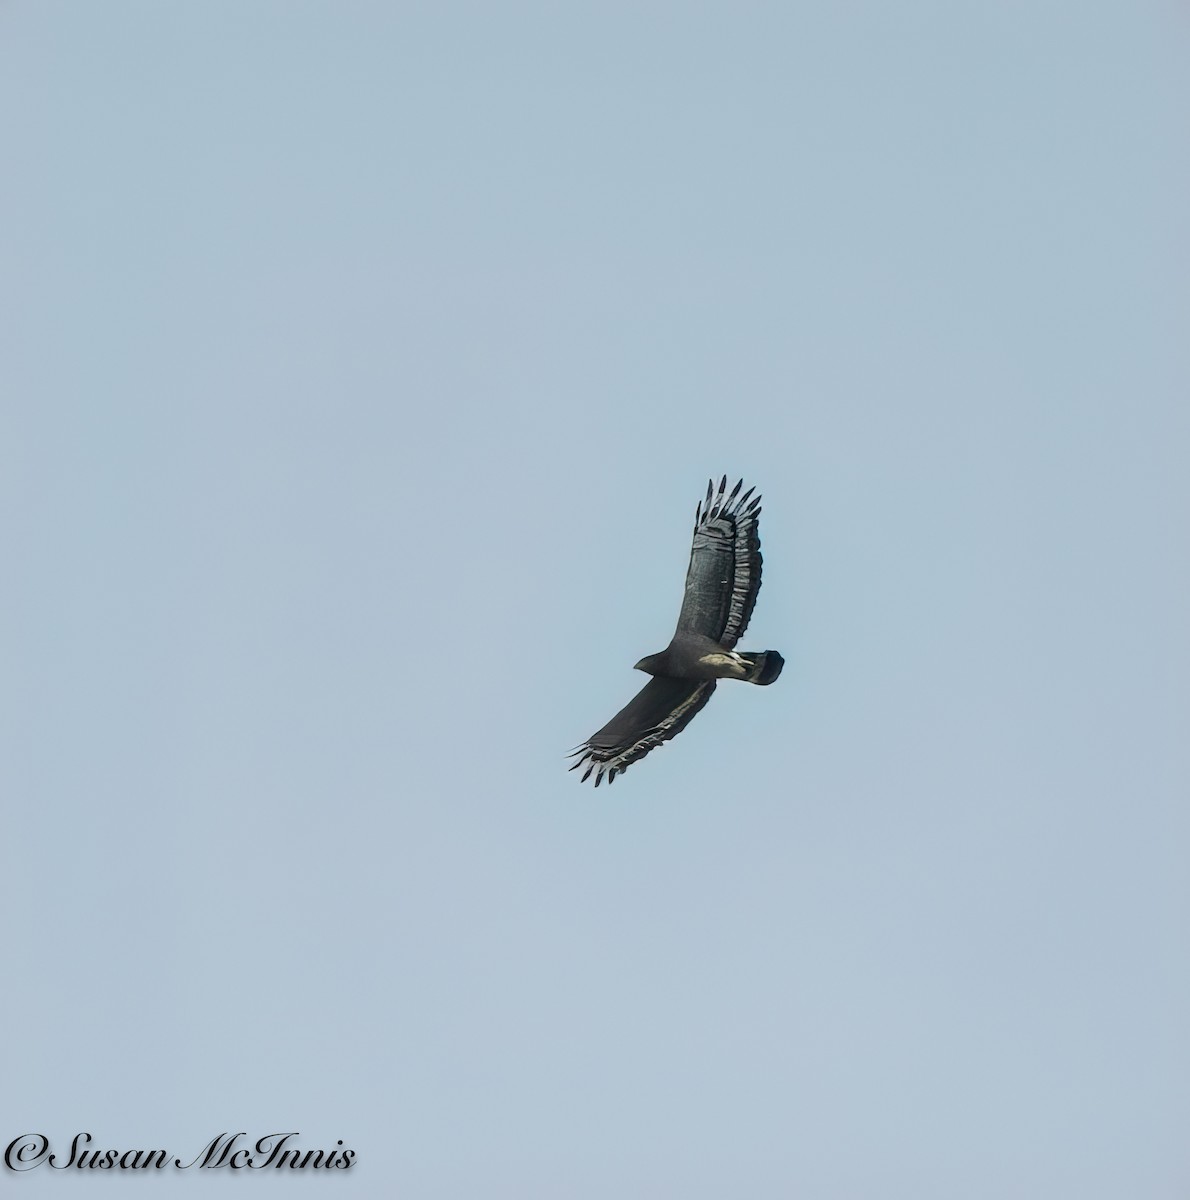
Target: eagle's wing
[
  {"x": 724, "y": 573},
  {"x": 661, "y": 709}
]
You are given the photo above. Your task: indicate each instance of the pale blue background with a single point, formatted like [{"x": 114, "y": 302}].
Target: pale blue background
[{"x": 362, "y": 365}]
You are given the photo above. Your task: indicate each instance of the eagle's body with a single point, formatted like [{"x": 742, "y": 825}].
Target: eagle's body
[
  {"x": 721, "y": 587},
  {"x": 696, "y": 656}
]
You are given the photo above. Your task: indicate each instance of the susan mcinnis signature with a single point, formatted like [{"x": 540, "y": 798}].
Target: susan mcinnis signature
[{"x": 230, "y": 1150}]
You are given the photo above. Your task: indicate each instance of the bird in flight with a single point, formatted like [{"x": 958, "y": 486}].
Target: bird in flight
[{"x": 721, "y": 586}]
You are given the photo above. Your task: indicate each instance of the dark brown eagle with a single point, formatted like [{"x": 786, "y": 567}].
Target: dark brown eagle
[{"x": 721, "y": 587}]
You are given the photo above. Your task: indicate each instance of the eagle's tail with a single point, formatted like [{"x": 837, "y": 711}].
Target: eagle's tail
[{"x": 763, "y": 667}]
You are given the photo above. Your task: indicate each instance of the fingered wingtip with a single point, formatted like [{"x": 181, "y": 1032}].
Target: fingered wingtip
[{"x": 719, "y": 503}]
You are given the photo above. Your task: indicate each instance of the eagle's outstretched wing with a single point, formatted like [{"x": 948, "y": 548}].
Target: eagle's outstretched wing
[
  {"x": 724, "y": 574},
  {"x": 661, "y": 709}
]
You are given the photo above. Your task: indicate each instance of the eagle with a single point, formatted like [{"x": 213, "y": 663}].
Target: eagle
[{"x": 722, "y": 582}]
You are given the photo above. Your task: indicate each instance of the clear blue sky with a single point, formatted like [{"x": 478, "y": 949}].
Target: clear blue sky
[{"x": 361, "y": 367}]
